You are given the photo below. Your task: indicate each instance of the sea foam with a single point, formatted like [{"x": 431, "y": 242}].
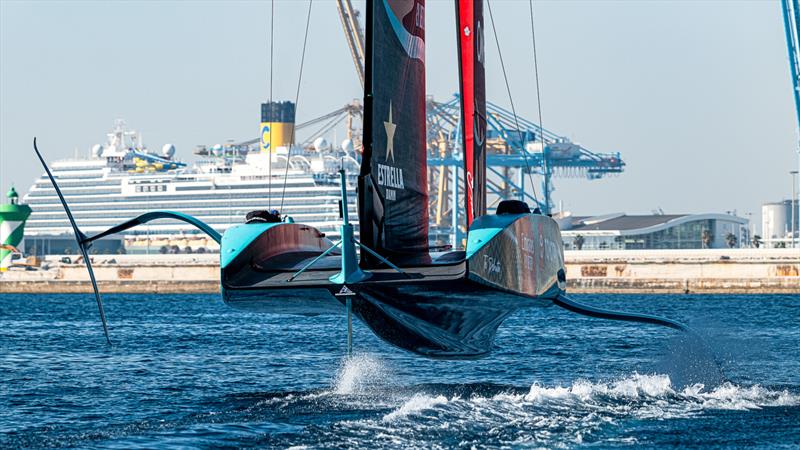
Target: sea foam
[{"x": 359, "y": 374}]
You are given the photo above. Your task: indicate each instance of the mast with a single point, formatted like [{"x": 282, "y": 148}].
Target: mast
[{"x": 472, "y": 84}]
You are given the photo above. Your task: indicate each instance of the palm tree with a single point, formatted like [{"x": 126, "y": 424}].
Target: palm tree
[
  {"x": 731, "y": 240},
  {"x": 707, "y": 238}
]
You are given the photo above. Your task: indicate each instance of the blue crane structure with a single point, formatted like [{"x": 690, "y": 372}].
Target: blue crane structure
[
  {"x": 791, "y": 24},
  {"x": 516, "y": 149}
]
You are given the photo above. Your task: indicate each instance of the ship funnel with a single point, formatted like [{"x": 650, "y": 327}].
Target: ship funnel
[{"x": 277, "y": 125}]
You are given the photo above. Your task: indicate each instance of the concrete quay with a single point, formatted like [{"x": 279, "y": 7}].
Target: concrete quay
[
  {"x": 605, "y": 271},
  {"x": 119, "y": 274},
  {"x": 746, "y": 271}
]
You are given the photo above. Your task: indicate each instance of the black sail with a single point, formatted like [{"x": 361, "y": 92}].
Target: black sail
[{"x": 393, "y": 185}]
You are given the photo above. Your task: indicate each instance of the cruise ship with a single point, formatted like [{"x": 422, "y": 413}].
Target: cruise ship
[{"x": 122, "y": 178}]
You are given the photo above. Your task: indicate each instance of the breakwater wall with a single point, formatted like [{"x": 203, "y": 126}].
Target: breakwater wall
[{"x": 609, "y": 271}]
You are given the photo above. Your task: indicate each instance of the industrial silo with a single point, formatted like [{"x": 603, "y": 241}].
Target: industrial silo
[{"x": 776, "y": 222}]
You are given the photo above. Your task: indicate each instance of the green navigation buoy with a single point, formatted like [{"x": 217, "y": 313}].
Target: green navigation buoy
[{"x": 12, "y": 226}]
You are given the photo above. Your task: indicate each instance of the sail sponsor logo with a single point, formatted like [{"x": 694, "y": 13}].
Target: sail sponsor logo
[{"x": 391, "y": 177}]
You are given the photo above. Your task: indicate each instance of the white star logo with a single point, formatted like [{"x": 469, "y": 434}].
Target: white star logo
[{"x": 390, "y": 128}]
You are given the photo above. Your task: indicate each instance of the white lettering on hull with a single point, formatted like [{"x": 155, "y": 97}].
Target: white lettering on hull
[{"x": 491, "y": 265}]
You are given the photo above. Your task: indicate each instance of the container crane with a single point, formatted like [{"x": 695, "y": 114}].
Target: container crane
[
  {"x": 512, "y": 156},
  {"x": 791, "y": 24}
]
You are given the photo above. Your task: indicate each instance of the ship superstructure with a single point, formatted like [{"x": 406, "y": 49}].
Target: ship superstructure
[{"x": 122, "y": 178}]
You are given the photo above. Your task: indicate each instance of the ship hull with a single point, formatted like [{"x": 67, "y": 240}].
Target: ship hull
[{"x": 448, "y": 309}]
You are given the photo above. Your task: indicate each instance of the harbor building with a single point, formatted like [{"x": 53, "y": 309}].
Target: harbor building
[{"x": 659, "y": 231}]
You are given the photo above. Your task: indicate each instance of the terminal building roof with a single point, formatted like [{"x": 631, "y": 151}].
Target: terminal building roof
[{"x": 622, "y": 222}]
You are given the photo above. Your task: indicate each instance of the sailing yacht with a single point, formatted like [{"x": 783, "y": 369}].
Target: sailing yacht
[
  {"x": 440, "y": 304},
  {"x": 436, "y": 302}
]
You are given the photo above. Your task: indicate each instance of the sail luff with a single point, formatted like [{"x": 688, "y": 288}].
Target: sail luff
[
  {"x": 472, "y": 84},
  {"x": 366, "y": 204}
]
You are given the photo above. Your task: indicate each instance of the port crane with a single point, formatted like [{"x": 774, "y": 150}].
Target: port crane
[
  {"x": 513, "y": 155},
  {"x": 353, "y": 34}
]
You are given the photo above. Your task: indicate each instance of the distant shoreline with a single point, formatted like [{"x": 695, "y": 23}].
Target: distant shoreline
[{"x": 579, "y": 286}]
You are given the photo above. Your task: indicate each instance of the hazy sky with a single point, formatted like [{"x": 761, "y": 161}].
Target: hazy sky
[{"x": 696, "y": 95}]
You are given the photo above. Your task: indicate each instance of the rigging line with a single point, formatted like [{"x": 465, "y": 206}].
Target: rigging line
[
  {"x": 511, "y": 99},
  {"x": 324, "y": 129},
  {"x": 545, "y": 164},
  {"x": 269, "y": 152},
  {"x": 296, "y": 98}
]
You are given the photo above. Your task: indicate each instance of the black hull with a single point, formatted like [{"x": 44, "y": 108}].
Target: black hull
[
  {"x": 448, "y": 308},
  {"x": 447, "y": 319}
]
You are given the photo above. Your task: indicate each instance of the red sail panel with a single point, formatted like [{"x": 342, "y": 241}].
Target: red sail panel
[
  {"x": 393, "y": 186},
  {"x": 472, "y": 75}
]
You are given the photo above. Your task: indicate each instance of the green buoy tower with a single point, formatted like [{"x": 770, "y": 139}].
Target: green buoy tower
[{"x": 12, "y": 226}]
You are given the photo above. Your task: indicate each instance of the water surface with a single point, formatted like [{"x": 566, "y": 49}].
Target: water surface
[{"x": 186, "y": 371}]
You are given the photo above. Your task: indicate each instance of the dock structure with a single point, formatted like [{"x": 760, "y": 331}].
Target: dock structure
[{"x": 723, "y": 271}]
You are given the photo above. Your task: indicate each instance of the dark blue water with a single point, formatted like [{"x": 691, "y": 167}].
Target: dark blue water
[{"x": 186, "y": 371}]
